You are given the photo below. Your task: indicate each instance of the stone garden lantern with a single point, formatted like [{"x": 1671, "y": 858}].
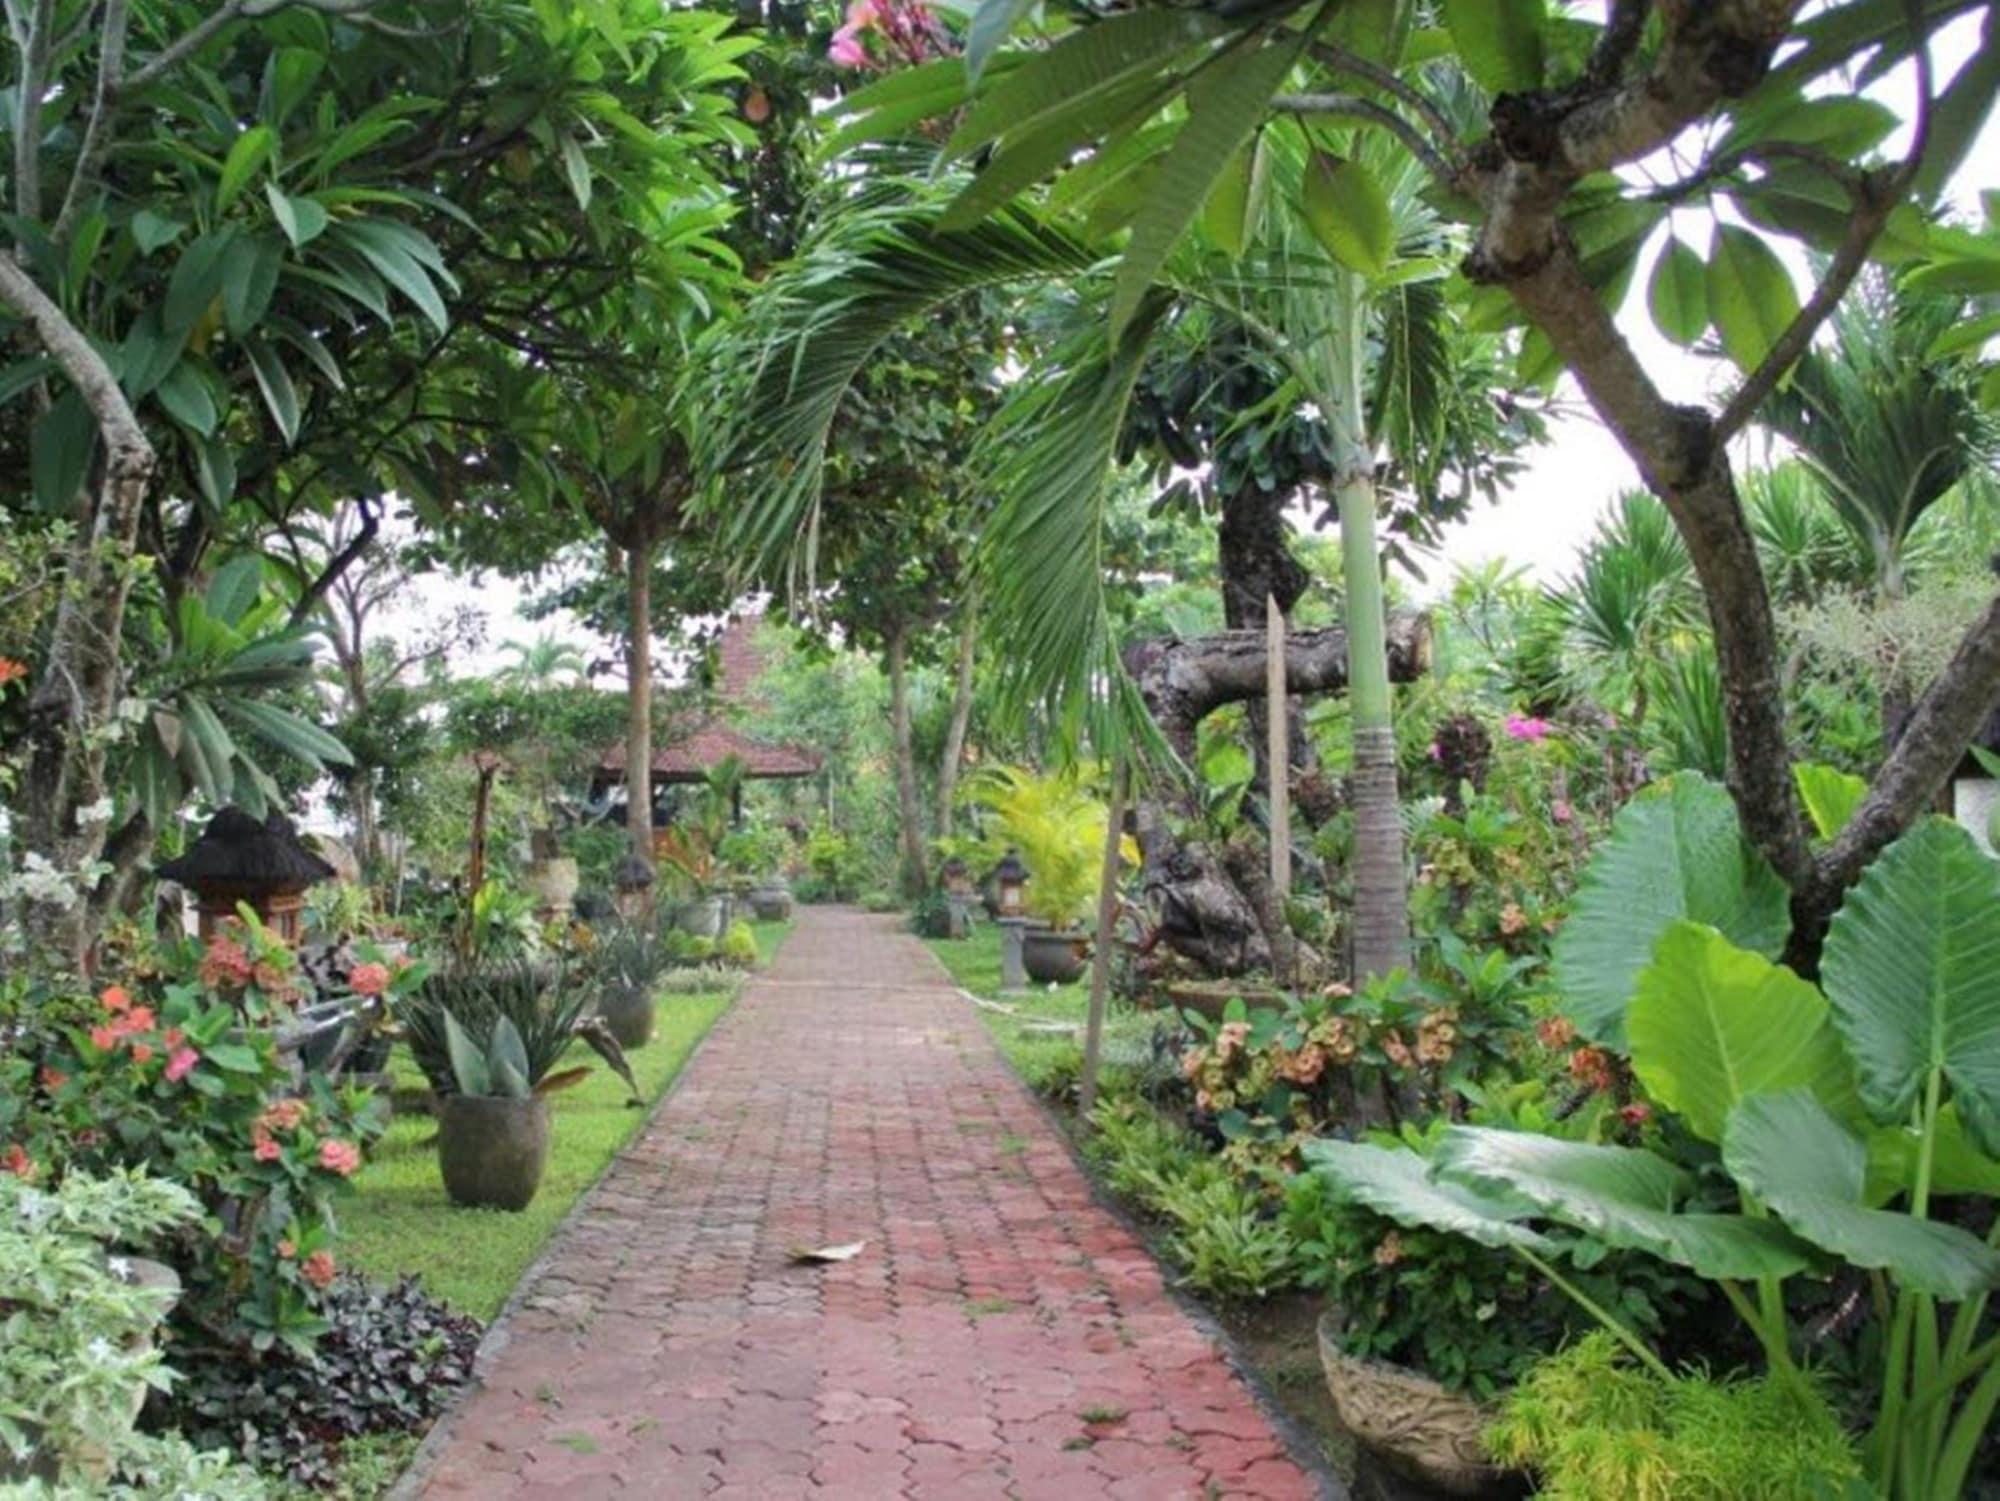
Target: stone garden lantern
[
  {"x": 958, "y": 892},
  {"x": 1010, "y": 882},
  {"x": 633, "y": 881},
  {"x": 240, "y": 861}
]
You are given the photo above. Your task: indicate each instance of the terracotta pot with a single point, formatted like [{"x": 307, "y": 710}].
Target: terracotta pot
[
  {"x": 702, "y": 917},
  {"x": 492, "y": 1149},
  {"x": 1053, "y": 955},
  {"x": 1427, "y": 1438},
  {"x": 628, "y": 1011},
  {"x": 771, "y": 901}
]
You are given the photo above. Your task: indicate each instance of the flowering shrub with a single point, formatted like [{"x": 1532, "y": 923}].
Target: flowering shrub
[{"x": 183, "y": 1076}]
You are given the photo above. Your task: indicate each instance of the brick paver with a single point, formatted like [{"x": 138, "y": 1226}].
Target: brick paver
[{"x": 1000, "y": 1336}]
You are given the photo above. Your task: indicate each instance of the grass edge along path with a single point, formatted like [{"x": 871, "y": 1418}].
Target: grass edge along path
[{"x": 399, "y": 1222}]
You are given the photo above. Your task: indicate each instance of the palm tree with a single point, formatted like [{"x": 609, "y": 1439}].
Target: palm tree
[
  {"x": 1047, "y": 456},
  {"x": 544, "y": 662},
  {"x": 1632, "y": 598},
  {"x": 1885, "y": 429}
]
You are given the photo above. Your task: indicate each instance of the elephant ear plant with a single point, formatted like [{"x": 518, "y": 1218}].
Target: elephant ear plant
[{"x": 1843, "y": 1112}]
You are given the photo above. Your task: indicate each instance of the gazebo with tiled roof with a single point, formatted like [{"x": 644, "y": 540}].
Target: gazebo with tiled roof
[{"x": 707, "y": 740}]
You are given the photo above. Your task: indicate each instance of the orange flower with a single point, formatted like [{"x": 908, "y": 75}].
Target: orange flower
[
  {"x": 15, "y": 1160},
  {"x": 115, "y": 998},
  {"x": 368, "y": 979},
  {"x": 1555, "y": 1031},
  {"x": 341, "y": 1157},
  {"x": 287, "y": 1249},
  {"x": 11, "y": 671},
  {"x": 52, "y": 1078},
  {"x": 1591, "y": 1066},
  {"x": 318, "y": 1268},
  {"x": 142, "y": 1052},
  {"x": 104, "y": 1039},
  {"x": 282, "y": 1115},
  {"x": 138, "y": 1019}
]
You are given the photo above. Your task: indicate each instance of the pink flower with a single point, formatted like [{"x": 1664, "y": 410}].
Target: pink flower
[
  {"x": 848, "y": 50},
  {"x": 15, "y": 1160},
  {"x": 115, "y": 998},
  {"x": 181, "y": 1063},
  {"x": 104, "y": 1039},
  {"x": 142, "y": 1052},
  {"x": 1561, "y": 811},
  {"x": 287, "y": 1250},
  {"x": 1521, "y": 727},
  {"x": 318, "y": 1268},
  {"x": 1436, "y": 752},
  {"x": 266, "y": 1148},
  {"x": 368, "y": 979},
  {"x": 341, "y": 1157}
]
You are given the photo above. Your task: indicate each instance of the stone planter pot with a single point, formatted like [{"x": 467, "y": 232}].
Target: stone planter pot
[
  {"x": 1053, "y": 955},
  {"x": 771, "y": 901},
  {"x": 629, "y": 1012},
  {"x": 552, "y": 882},
  {"x": 702, "y": 917},
  {"x": 1426, "y": 1442},
  {"x": 492, "y": 1150}
]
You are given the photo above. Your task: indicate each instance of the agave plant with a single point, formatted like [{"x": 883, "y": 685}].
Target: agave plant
[
  {"x": 539, "y": 1004},
  {"x": 1829, "y": 1103}
]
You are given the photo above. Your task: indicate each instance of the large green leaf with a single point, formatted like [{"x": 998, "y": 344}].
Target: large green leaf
[
  {"x": 988, "y": 29},
  {"x": 1910, "y": 966},
  {"x": 1675, "y": 851},
  {"x": 1750, "y": 295},
  {"x": 1225, "y": 103},
  {"x": 1348, "y": 212},
  {"x": 249, "y": 152},
  {"x": 1957, "y": 1165},
  {"x": 1619, "y": 1195},
  {"x": 1712, "y": 1023},
  {"x": 274, "y": 383},
  {"x": 1830, "y": 795},
  {"x": 1398, "y": 1183},
  {"x": 1811, "y": 1171},
  {"x": 1499, "y": 41},
  {"x": 468, "y": 1060},
  {"x": 1678, "y": 293},
  {"x": 1094, "y": 57},
  {"x": 61, "y": 447},
  {"x": 291, "y": 733}
]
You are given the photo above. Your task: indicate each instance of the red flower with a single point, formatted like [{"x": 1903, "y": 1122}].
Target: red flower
[
  {"x": 115, "y": 998},
  {"x": 318, "y": 1268},
  {"x": 264, "y": 1147},
  {"x": 15, "y": 1160},
  {"x": 51, "y": 1079},
  {"x": 1555, "y": 1031},
  {"x": 142, "y": 1052},
  {"x": 1636, "y": 1114},
  {"x": 368, "y": 979},
  {"x": 11, "y": 671},
  {"x": 181, "y": 1063},
  {"x": 341, "y": 1157},
  {"x": 138, "y": 1019},
  {"x": 104, "y": 1039},
  {"x": 225, "y": 964},
  {"x": 282, "y": 1115},
  {"x": 174, "y": 1037},
  {"x": 1591, "y": 1066}
]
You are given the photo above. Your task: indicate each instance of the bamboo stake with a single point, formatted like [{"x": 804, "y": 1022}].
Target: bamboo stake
[
  {"x": 1277, "y": 720},
  {"x": 1100, "y": 962}
]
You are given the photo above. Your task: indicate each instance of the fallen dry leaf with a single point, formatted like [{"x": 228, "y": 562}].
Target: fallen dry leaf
[{"x": 828, "y": 1253}]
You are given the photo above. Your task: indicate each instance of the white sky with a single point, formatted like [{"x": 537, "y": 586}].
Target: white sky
[{"x": 1553, "y": 507}]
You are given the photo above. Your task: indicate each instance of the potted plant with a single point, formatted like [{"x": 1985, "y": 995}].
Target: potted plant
[
  {"x": 493, "y": 1130},
  {"x": 689, "y": 859},
  {"x": 758, "y": 853},
  {"x": 630, "y": 961},
  {"x": 1057, "y": 825}
]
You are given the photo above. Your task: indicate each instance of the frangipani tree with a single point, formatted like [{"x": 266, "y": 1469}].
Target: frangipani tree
[{"x": 1142, "y": 115}]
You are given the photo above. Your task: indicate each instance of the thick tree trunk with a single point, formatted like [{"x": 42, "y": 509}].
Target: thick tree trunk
[
  {"x": 64, "y": 817},
  {"x": 639, "y": 696},
  {"x": 961, "y": 720},
  {"x": 909, "y": 807},
  {"x": 1254, "y": 558},
  {"x": 1381, "y": 885}
]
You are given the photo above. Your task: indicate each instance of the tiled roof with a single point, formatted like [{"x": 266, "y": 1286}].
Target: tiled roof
[
  {"x": 712, "y": 742},
  {"x": 738, "y": 662}
]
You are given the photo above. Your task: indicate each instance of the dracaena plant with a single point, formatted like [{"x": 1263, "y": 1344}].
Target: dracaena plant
[{"x": 1844, "y": 1111}]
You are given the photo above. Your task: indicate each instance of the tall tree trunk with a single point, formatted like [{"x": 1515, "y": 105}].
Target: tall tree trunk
[
  {"x": 639, "y": 695},
  {"x": 1381, "y": 891},
  {"x": 961, "y": 719},
  {"x": 908, "y": 806},
  {"x": 75, "y": 699}
]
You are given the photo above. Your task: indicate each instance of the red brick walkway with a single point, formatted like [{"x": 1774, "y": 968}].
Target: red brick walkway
[{"x": 1001, "y": 1335}]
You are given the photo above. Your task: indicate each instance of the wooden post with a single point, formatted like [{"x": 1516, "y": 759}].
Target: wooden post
[
  {"x": 1277, "y": 719},
  {"x": 1100, "y": 962}
]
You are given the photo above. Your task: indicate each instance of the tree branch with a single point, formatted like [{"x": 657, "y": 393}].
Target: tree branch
[
  {"x": 30, "y": 91},
  {"x": 96, "y": 131},
  {"x": 1354, "y": 107},
  {"x": 1340, "y": 60},
  {"x": 308, "y": 601}
]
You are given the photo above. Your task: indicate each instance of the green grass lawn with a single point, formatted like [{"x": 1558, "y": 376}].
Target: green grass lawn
[{"x": 399, "y": 1221}]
